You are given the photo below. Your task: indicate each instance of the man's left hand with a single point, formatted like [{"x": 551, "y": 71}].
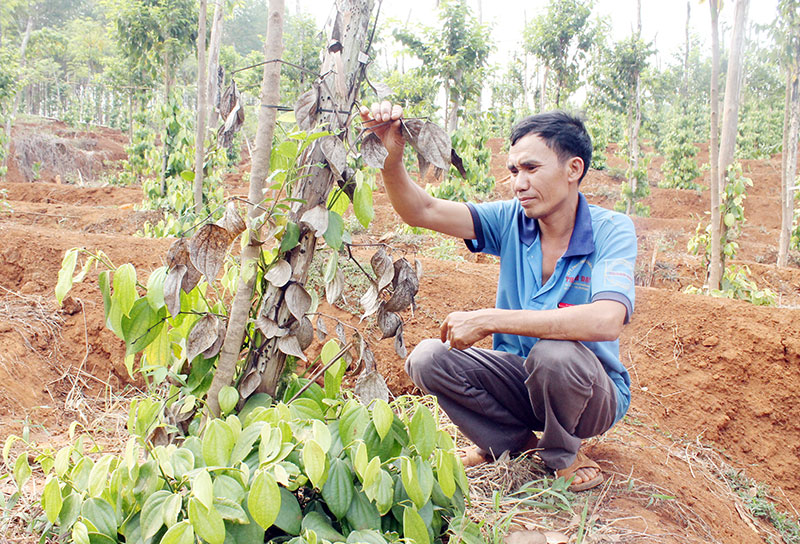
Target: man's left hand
[{"x": 462, "y": 329}]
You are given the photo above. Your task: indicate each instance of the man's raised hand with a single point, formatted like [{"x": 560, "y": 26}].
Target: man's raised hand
[{"x": 384, "y": 120}]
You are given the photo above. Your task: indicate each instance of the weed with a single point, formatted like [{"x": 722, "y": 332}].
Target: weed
[
  {"x": 444, "y": 250},
  {"x": 757, "y": 499}
]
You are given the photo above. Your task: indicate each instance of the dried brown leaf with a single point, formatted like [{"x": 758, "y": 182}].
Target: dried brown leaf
[
  {"x": 249, "y": 383},
  {"x": 424, "y": 166},
  {"x": 269, "y": 328},
  {"x": 401, "y": 298},
  {"x": 207, "y": 250},
  {"x": 158, "y": 436},
  {"x": 317, "y": 219},
  {"x": 279, "y": 273},
  {"x": 334, "y": 288},
  {"x": 203, "y": 335},
  {"x": 458, "y": 162},
  {"x": 172, "y": 289},
  {"x": 179, "y": 254},
  {"x": 340, "y": 333},
  {"x": 217, "y": 345},
  {"x": 232, "y": 221},
  {"x": 400, "y": 344},
  {"x": 373, "y": 151},
  {"x": 388, "y": 322},
  {"x": 403, "y": 272},
  {"x": 382, "y": 90},
  {"x": 369, "y": 301},
  {"x": 525, "y": 537},
  {"x": 291, "y": 346},
  {"x": 322, "y": 330},
  {"x": 435, "y": 145},
  {"x": 411, "y": 130},
  {"x": 298, "y": 300},
  {"x": 306, "y": 109},
  {"x": 335, "y": 153},
  {"x": 369, "y": 358},
  {"x": 382, "y": 266},
  {"x": 418, "y": 269},
  {"x": 369, "y": 386},
  {"x": 304, "y": 331}
]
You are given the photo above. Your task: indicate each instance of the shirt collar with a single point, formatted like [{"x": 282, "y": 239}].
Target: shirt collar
[{"x": 580, "y": 243}]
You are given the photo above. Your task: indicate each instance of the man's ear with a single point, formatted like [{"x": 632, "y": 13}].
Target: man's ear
[{"x": 574, "y": 168}]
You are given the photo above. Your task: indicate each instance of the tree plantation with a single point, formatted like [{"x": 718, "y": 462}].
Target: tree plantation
[{"x": 207, "y": 298}]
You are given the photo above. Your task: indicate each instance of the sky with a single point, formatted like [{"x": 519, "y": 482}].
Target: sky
[{"x": 663, "y": 21}]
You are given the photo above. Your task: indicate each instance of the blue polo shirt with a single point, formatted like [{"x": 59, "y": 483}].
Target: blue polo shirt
[{"x": 597, "y": 265}]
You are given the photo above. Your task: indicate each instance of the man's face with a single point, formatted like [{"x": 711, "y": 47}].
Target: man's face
[{"x": 541, "y": 182}]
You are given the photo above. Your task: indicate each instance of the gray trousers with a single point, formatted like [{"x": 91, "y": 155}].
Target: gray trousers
[{"x": 497, "y": 399}]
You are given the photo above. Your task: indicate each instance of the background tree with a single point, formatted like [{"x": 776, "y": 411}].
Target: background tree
[
  {"x": 727, "y": 143},
  {"x": 788, "y": 35},
  {"x": 454, "y": 54},
  {"x": 561, "y": 39},
  {"x": 202, "y": 105}
]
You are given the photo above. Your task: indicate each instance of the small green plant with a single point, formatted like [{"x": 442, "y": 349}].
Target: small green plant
[
  {"x": 757, "y": 499},
  {"x": 680, "y": 167},
  {"x": 5, "y": 207},
  {"x": 444, "y": 250}
]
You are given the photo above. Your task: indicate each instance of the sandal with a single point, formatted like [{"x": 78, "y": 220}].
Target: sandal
[{"x": 581, "y": 461}]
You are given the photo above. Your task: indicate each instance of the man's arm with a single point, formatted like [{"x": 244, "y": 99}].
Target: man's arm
[
  {"x": 410, "y": 201},
  {"x": 598, "y": 321}
]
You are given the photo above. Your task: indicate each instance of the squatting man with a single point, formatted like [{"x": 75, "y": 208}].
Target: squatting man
[{"x": 565, "y": 290}]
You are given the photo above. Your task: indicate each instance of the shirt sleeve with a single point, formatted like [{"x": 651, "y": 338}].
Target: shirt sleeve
[
  {"x": 493, "y": 221},
  {"x": 613, "y": 270}
]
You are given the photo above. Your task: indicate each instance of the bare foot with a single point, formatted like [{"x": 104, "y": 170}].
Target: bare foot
[{"x": 473, "y": 456}]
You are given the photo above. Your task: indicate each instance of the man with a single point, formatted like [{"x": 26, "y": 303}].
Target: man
[{"x": 566, "y": 288}]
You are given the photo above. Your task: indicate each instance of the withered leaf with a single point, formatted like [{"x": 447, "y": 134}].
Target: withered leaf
[
  {"x": 373, "y": 151},
  {"x": 291, "y": 346},
  {"x": 400, "y": 344},
  {"x": 249, "y": 383},
  {"x": 317, "y": 219},
  {"x": 179, "y": 254},
  {"x": 369, "y": 301},
  {"x": 217, "y": 345},
  {"x": 401, "y": 298},
  {"x": 269, "y": 328},
  {"x": 404, "y": 273},
  {"x": 334, "y": 288},
  {"x": 369, "y": 358},
  {"x": 304, "y": 331},
  {"x": 207, "y": 249},
  {"x": 388, "y": 322},
  {"x": 335, "y": 153},
  {"x": 382, "y": 266},
  {"x": 434, "y": 144},
  {"x": 411, "y": 130},
  {"x": 340, "y": 333},
  {"x": 458, "y": 162},
  {"x": 298, "y": 300},
  {"x": 158, "y": 436},
  {"x": 279, "y": 273},
  {"x": 306, "y": 109},
  {"x": 418, "y": 269},
  {"x": 369, "y": 386},
  {"x": 232, "y": 221},
  {"x": 172, "y": 289},
  {"x": 203, "y": 335},
  {"x": 424, "y": 166},
  {"x": 382, "y": 90},
  {"x": 322, "y": 330}
]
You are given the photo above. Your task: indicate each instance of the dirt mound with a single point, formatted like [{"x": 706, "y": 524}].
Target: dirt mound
[{"x": 49, "y": 150}]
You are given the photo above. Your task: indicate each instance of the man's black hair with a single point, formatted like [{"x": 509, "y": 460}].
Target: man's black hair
[{"x": 565, "y": 134}]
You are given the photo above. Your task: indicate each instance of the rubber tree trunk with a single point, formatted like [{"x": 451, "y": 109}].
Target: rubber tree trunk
[
  {"x": 314, "y": 189},
  {"x": 789, "y": 163},
  {"x": 730, "y": 117},
  {"x": 685, "y": 82},
  {"x": 259, "y": 170},
  {"x": 213, "y": 64},
  {"x": 202, "y": 115},
  {"x": 714, "y": 264}
]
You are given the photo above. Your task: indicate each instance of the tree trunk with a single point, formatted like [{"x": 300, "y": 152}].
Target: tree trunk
[
  {"x": 637, "y": 117},
  {"x": 259, "y": 169},
  {"x": 714, "y": 265},
  {"x": 685, "y": 83},
  {"x": 202, "y": 115},
  {"x": 543, "y": 96},
  {"x": 789, "y": 163},
  {"x": 10, "y": 121},
  {"x": 730, "y": 111},
  {"x": 213, "y": 64},
  {"x": 314, "y": 189}
]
